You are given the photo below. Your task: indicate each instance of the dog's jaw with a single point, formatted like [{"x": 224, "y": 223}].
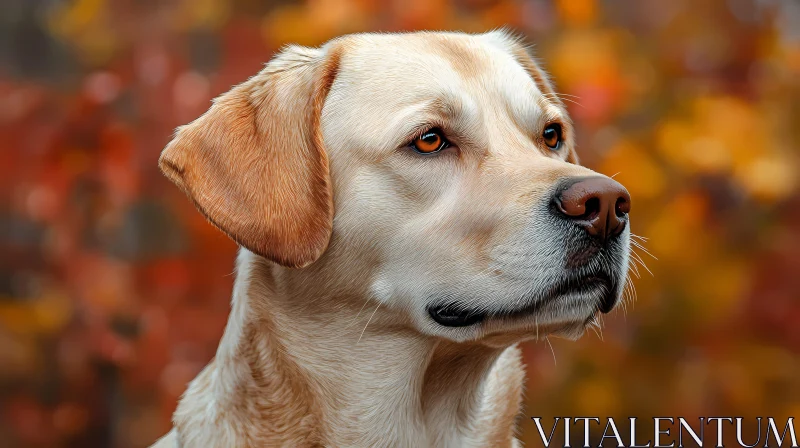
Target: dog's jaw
[{"x": 281, "y": 379}]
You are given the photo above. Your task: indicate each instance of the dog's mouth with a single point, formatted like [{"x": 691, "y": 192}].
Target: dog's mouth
[
  {"x": 451, "y": 315},
  {"x": 454, "y": 315}
]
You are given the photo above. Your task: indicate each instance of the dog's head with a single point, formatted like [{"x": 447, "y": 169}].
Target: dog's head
[{"x": 433, "y": 172}]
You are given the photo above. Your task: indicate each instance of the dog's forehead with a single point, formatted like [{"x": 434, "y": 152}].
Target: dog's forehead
[
  {"x": 466, "y": 54},
  {"x": 398, "y": 67}
]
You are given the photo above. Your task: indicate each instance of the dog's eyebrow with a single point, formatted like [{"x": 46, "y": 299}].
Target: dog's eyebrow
[
  {"x": 441, "y": 111},
  {"x": 449, "y": 107}
]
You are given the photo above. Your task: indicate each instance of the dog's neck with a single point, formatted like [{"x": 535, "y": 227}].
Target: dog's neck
[{"x": 292, "y": 372}]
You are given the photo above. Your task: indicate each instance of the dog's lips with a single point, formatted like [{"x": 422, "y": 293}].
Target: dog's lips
[
  {"x": 609, "y": 298},
  {"x": 451, "y": 316},
  {"x": 577, "y": 285}
]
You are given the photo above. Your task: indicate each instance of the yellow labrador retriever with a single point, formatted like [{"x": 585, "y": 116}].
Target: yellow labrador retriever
[{"x": 409, "y": 207}]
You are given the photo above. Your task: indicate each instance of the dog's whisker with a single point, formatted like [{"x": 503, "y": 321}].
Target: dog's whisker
[
  {"x": 634, "y": 294},
  {"x": 597, "y": 328},
  {"x": 561, "y": 94},
  {"x": 572, "y": 101},
  {"x": 629, "y": 295},
  {"x": 598, "y": 320},
  {"x": 555, "y": 362},
  {"x": 630, "y": 288},
  {"x": 635, "y": 246},
  {"x": 357, "y": 315},
  {"x": 641, "y": 246},
  {"x": 637, "y": 242},
  {"x": 562, "y": 97},
  {"x": 638, "y": 259},
  {"x": 368, "y": 321},
  {"x": 640, "y": 263},
  {"x": 634, "y": 268},
  {"x": 625, "y": 298},
  {"x": 594, "y": 329}
]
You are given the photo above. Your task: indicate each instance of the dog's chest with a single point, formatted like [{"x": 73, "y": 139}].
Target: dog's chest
[{"x": 478, "y": 415}]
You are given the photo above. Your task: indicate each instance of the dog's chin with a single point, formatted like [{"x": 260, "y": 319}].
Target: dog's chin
[{"x": 506, "y": 335}]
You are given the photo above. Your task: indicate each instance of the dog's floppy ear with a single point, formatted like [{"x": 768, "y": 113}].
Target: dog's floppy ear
[{"x": 254, "y": 163}]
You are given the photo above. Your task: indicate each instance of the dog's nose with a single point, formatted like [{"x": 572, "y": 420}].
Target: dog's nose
[{"x": 598, "y": 203}]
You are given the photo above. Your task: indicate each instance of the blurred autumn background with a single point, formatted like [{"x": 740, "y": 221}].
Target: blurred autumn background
[{"x": 114, "y": 291}]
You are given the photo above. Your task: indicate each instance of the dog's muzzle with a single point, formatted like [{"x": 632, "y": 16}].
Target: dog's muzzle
[{"x": 593, "y": 214}]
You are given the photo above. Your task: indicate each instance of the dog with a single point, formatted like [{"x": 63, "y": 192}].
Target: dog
[{"x": 409, "y": 207}]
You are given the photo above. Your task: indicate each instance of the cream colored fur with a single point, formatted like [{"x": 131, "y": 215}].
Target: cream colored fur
[{"x": 328, "y": 342}]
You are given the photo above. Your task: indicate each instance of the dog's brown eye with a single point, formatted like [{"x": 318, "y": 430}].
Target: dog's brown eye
[
  {"x": 552, "y": 136},
  {"x": 429, "y": 142}
]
